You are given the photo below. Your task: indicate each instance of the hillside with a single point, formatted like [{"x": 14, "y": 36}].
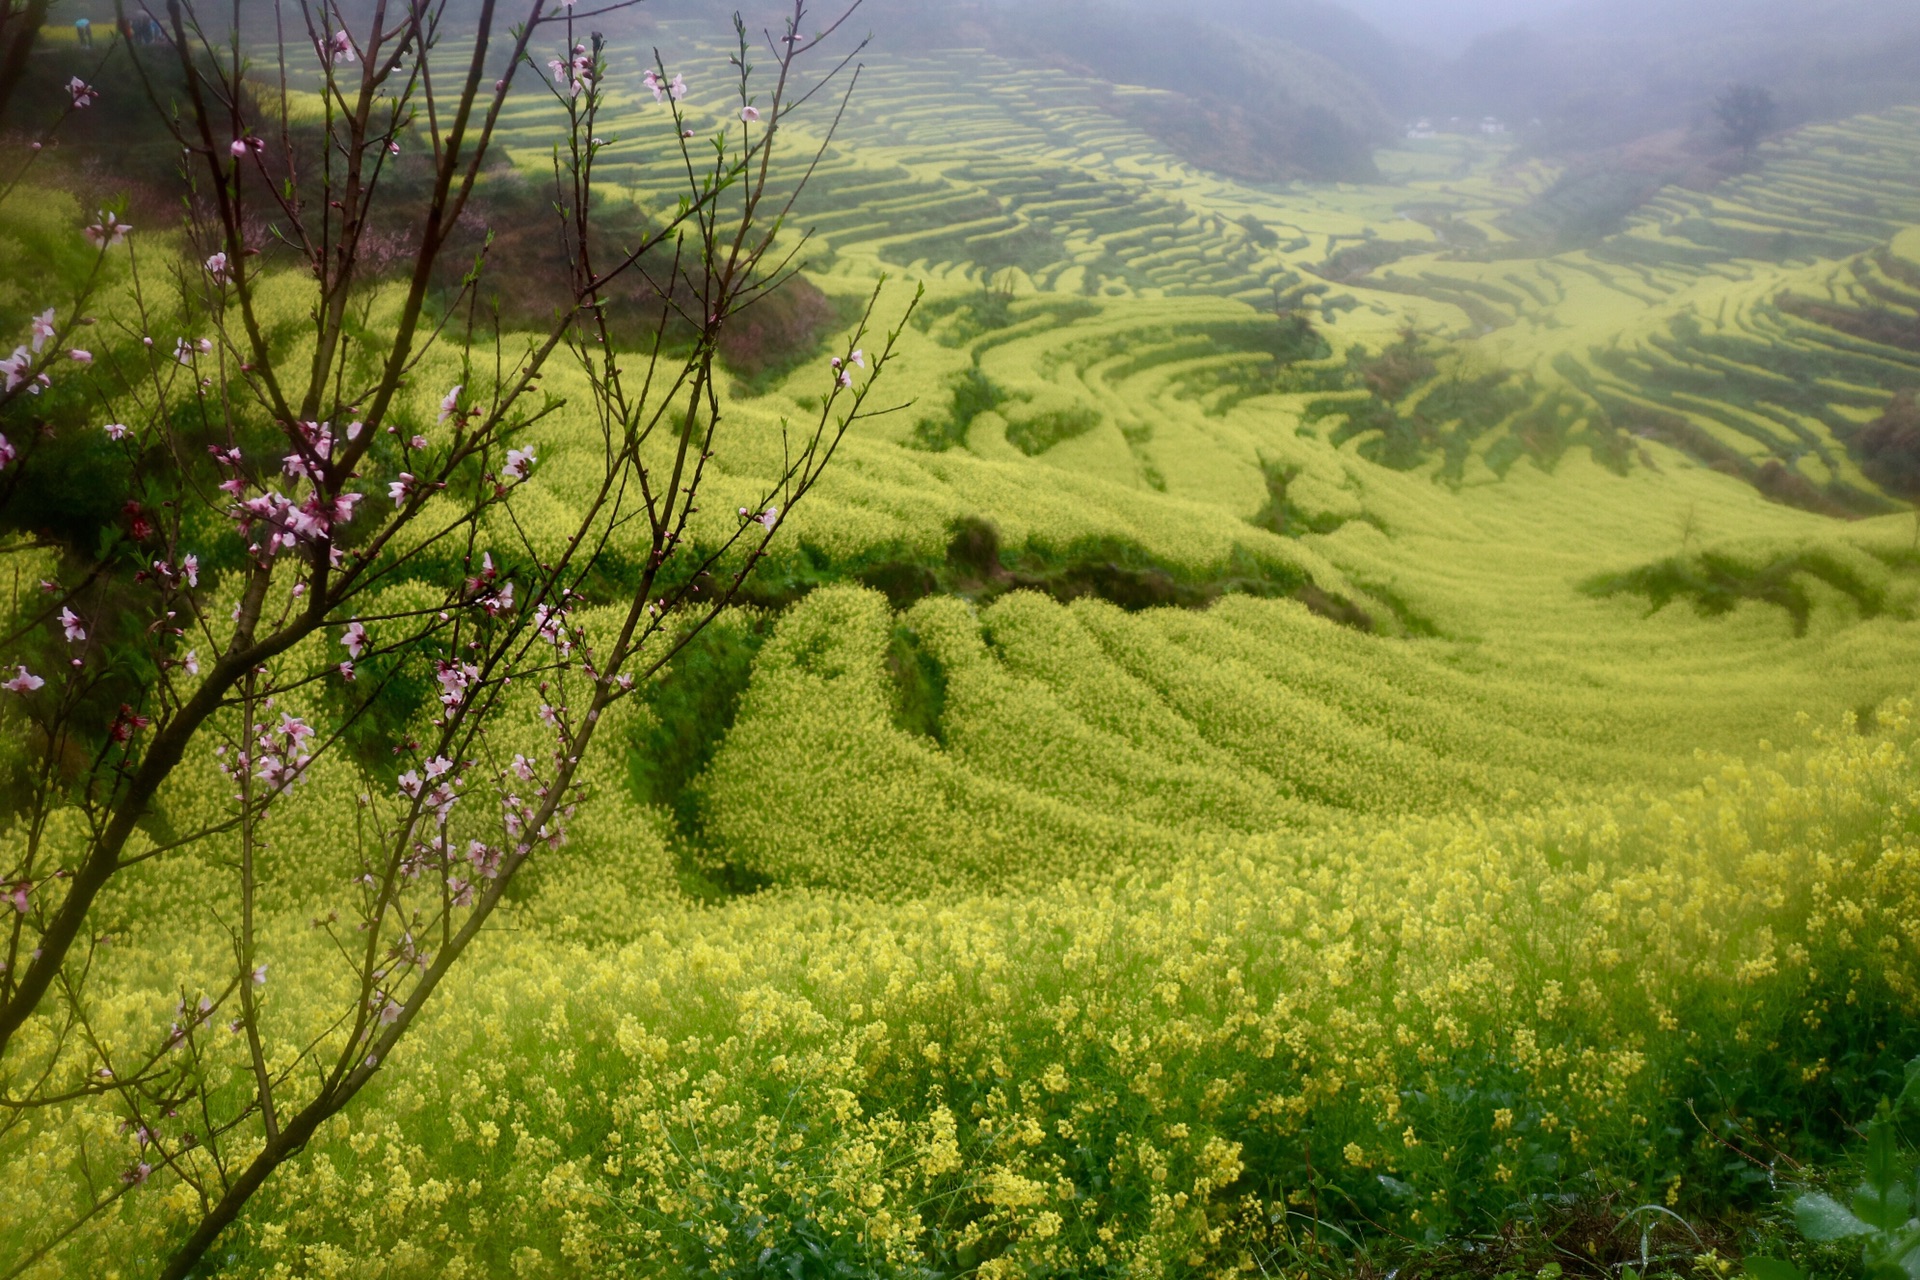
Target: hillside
[
  {"x": 1352, "y": 718},
  {"x": 1352, "y": 395},
  {"x": 1601, "y": 74},
  {"x": 1661, "y": 442}
]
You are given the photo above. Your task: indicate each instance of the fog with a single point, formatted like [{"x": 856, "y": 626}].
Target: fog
[
  {"x": 1449, "y": 26},
  {"x": 1290, "y": 90}
]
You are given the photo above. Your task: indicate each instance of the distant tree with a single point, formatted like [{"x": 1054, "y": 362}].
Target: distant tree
[
  {"x": 20, "y": 23},
  {"x": 1747, "y": 113}
]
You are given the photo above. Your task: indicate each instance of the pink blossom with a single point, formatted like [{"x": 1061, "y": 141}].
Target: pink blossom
[
  {"x": 355, "y": 639},
  {"x": 768, "y": 519},
  {"x": 191, "y": 662},
  {"x": 18, "y": 896},
  {"x": 678, "y": 89},
  {"x": 651, "y": 80},
  {"x": 260, "y": 975},
  {"x": 7, "y": 453},
  {"x": 79, "y": 357},
  {"x": 522, "y": 768},
  {"x": 551, "y": 624},
  {"x": 455, "y": 680},
  {"x": 393, "y": 148},
  {"x": 750, "y": 114},
  {"x": 409, "y": 783},
  {"x": 126, "y": 724},
  {"x": 70, "y": 623},
  {"x": 438, "y": 767},
  {"x": 485, "y": 860},
  {"x": 116, "y": 430},
  {"x": 399, "y": 490},
  {"x": 15, "y": 367},
  {"x": 860, "y": 357},
  {"x": 190, "y": 566},
  {"x": 295, "y": 730},
  {"x": 24, "y": 681},
  {"x": 108, "y": 231},
  {"x": 340, "y": 48},
  {"x": 42, "y": 329},
  {"x": 217, "y": 266},
  {"x": 451, "y": 402},
  {"x": 520, "y": 463},
  {"x": 83, "y": 93},
  {"x": 239, "y": 148}
]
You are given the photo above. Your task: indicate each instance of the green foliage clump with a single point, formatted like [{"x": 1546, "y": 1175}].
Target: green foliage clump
[
  {"x": 972, "y": 393},
  {"x": 689, "y": 708},
  {"x": 1716, "y": 581},
  {"x": 1047, "y": 419}
]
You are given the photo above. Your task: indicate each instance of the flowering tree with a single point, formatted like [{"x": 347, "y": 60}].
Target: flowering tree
[{"x": 285, "y": 478}]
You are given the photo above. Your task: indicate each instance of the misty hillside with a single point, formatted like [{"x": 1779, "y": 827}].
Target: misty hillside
[
  {"x": 1275, "y": 90},
  {"x": 1604, "y": 73},
  {"x": 1268, "y": 93},
  {"x": 1263, "y": 109}
]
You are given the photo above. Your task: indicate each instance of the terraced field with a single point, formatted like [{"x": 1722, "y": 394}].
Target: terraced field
[
  {"x": 979, "y": 175},
  {"x": 1124, "y": 356}
]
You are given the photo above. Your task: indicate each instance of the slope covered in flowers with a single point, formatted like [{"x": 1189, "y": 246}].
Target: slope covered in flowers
[
  {"x": 1417, "y": 1023},
  {"x": 1351, "y": 787}
]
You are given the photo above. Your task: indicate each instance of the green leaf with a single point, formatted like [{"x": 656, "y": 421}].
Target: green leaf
[
  {"x": 1772, "y": 1269},
  {"x": 1822, "y": 1218},
  {"x": 1884, "y": 1207},
  {"x": 1910, "y": 1095},
  {"x": 1884, "y": 1168},
  {"x": 1909, "y": 1257}
]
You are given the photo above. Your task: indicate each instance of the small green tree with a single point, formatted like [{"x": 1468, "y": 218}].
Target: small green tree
[{"x": 1747, "y": 113}]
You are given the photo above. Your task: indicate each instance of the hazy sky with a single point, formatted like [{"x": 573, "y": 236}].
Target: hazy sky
[{"x": 1449, "y": 24}]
